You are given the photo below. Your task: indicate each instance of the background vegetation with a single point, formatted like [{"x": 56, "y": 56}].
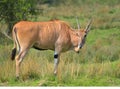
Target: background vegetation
[
  {"x": 12, "y": 11},
  {"x": 98, "y": 63}
]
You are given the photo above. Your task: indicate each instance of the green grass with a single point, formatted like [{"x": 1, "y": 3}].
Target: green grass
[
  {"x": 85, "y": 78},
  {"x": 105, "y": 14},
  {"x": 97, "y": 64}
]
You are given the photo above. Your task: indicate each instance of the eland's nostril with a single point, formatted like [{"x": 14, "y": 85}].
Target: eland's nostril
[
  {"x": 78, "y": 51},
  {"x": 80, "y": 47}
]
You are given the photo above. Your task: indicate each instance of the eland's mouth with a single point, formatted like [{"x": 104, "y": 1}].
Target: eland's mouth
[{"x": 76, "y": 49}]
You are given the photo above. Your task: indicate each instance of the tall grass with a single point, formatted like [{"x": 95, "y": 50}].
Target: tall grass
[
  {"x": 99, "y": 58},
  {"x": 98, "y": 62},
  {"x": 68, "y": 72},
  {"x": 105, "y": 14}
]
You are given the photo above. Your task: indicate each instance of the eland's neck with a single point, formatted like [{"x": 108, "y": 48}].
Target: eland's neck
[{"x": 74, "y": 38}]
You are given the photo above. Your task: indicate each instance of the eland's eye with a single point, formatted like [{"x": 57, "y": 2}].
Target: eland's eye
[{"x": 85, "y": 36}]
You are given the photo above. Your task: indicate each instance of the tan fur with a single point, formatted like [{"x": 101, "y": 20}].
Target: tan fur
[{"x": 54, "y": 35}]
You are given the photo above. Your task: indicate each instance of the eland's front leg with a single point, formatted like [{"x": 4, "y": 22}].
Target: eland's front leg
[{"x": 56, "y": 62}]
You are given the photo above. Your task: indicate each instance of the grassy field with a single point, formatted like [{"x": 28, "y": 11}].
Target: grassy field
[{"x": 97, "y": 64}]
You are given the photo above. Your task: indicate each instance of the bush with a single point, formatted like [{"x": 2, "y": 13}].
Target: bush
[{"x": 12, "y": 11}]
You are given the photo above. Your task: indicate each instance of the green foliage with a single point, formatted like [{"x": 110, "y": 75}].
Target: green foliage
[{"x": 12, "y": 11}]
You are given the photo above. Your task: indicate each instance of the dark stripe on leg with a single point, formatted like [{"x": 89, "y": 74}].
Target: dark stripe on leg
[{"x": 56, "y": 56}]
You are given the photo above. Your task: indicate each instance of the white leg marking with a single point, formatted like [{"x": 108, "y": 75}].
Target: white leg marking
[{"x": 56, "y": 62}]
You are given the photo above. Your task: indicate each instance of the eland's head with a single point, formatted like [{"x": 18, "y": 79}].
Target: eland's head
[{"x": 82, "y": 34}]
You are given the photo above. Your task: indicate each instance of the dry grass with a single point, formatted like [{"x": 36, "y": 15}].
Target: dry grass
[
  {"x": 34, "y": 69},
  {"x": 99, "y": 57},
  {"x": 103, "y": 13},
  {"x": 7, "y": 70}
]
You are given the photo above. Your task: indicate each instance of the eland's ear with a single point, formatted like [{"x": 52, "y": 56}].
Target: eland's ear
[{"x": 87, "y": 29}]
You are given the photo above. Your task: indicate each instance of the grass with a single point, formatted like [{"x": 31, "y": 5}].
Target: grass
[
  {"x": 97, "y": 64},
  {"x": 104, "y": 14},
  {"x": 105, "y": 74}
]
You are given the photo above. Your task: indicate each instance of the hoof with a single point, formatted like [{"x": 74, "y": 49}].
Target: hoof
[
  {"x": 55, "y": 73},
  {"x": 17, "y": 78}
]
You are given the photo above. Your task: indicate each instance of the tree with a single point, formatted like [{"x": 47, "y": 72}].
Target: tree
[{"x": 12, "y": 11}]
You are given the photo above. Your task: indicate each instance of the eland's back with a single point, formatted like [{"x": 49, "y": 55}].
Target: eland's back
[{"x": 42, "y": 35}]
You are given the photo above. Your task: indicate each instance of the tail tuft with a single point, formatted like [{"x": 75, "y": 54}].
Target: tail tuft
[{"x": 13, "y": 54}]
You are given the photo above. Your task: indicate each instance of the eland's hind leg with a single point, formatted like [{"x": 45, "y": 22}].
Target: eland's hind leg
[{"x": 19, "y": 59}]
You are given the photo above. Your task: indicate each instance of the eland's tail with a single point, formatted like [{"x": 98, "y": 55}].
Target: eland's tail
[{"x": 13, "y": 54}]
